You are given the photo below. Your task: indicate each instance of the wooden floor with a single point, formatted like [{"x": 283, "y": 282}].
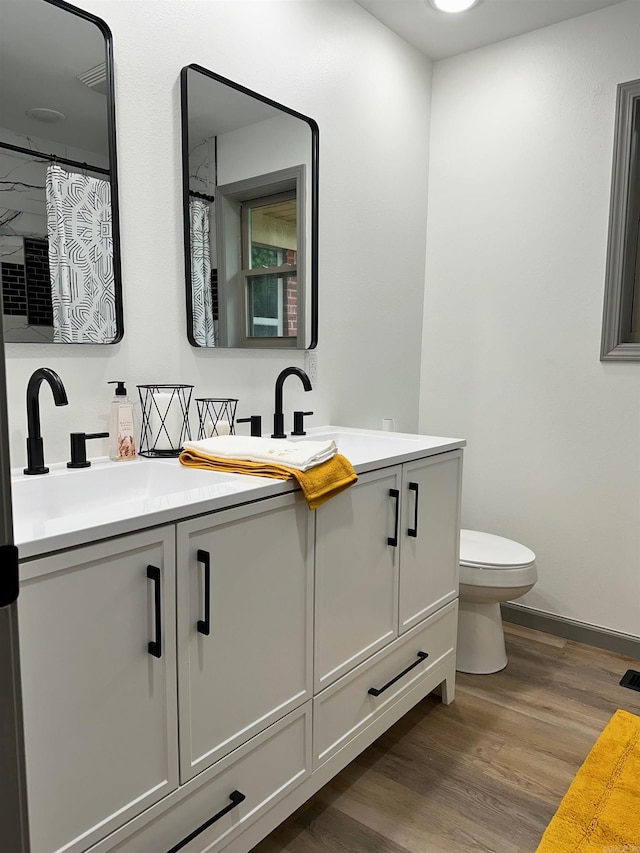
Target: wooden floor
[{"x": 483, "y": 774}]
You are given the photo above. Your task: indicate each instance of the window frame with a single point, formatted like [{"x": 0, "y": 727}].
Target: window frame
[
  {"x": 231, "y": 271},
  {"x": 622, "y": 281},
  {"x": 247, "y": 271}
]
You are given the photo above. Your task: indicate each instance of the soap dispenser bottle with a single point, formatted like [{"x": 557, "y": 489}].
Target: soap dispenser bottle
[{"x": 122, "y": 442}]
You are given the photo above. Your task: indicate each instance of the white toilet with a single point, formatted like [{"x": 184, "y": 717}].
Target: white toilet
[{"x": 492, "y": 569}]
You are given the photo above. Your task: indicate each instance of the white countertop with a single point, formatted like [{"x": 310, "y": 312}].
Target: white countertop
[{"x": 66, "y": 508}]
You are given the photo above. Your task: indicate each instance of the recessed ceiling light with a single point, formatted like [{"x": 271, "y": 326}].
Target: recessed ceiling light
[
  {"x": 453, "y": 6},
  {"x": 43, "y": 114}
]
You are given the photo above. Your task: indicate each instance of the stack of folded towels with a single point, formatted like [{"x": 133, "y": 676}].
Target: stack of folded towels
[{"x": 320, "y": 470}]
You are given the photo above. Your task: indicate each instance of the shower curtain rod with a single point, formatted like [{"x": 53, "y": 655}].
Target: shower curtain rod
[
  {"x": 41, "y": 155},
  {"x": 202, "y": 195}
]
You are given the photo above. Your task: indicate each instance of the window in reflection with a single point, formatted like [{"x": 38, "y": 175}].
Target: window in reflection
[
  {"x": 269, "y": 266},
  {"x": 260, "y": 270}
]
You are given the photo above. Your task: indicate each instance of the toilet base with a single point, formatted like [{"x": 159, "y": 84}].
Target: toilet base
[{"x": 481, "y": 648}]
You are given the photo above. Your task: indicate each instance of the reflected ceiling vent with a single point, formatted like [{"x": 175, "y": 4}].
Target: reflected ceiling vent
[{"x": 95, "y": 78}]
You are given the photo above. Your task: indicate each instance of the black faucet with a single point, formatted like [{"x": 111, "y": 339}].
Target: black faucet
[
  {"x": 278, "y": 418},
  {"x": 35, "y": 449}
]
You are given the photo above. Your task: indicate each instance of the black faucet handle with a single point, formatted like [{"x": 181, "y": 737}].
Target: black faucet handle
[
  {"x": 78, "y": 442},
  {"x": 256, "y": 424},
  {"x": 298, "y": 422}
]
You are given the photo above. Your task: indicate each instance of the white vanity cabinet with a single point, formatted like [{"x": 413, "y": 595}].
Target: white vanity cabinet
[
  {"x": 188, "y": 686},
  {"x": 97, "y": 648},
  {"x": 386, "y": 558},
  {"x": 245, "y": 624}
]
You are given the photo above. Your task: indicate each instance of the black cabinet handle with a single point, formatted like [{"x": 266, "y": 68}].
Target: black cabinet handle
[
  {"x": 236, "y": 798},
  {"x": 413, "y": 531},
  {"x": 393, "y": 540},
  {"x": 204, "y": 625},
  {"x": 155, "y": 646},
  {"x": 376, "y": 691}
]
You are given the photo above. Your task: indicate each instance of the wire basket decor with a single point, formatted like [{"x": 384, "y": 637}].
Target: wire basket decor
[
  {"x": 165, "y": 419},
  {"x": 216, "y": 416}
]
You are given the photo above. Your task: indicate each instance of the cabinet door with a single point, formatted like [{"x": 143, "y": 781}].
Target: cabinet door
[
  {"x": 245, "y": 586},
  {"x": 99, "y": 707},
  {"x": 356, "y": 606},
  {"x": 430, "y": 535}
]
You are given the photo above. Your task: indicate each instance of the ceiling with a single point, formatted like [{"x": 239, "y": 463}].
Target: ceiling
[
  {"x": 439, "y": 35},
  {"x": 43, "y": 49}
]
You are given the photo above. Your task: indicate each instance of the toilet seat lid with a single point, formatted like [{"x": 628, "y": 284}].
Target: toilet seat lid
[{"x": 486, "y": 550}]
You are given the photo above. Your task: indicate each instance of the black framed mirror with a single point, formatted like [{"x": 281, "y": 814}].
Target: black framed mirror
[
  {"x": 59, "y": 224},
  {"x": 250, "y": 207}
]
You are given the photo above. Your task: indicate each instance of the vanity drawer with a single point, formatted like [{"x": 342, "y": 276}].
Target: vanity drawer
[
  {"x": 257, "y": 775},
  {"x": 353, "y": 702}
]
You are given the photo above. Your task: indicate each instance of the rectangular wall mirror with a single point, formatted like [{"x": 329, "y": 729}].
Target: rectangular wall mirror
[
  {"x": 59, "y": 234},
  {"x": 250, "y": 197}
]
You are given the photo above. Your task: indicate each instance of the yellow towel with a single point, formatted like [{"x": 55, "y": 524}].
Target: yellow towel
[{"x": 318, "y": 484}]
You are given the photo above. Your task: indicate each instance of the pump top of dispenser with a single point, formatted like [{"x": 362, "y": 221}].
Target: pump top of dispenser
[{"x": 121, "y": 391}]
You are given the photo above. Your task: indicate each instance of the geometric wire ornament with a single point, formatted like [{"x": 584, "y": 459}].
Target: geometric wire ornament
[
  {"x": 216, "y": 416},
  {"x": 165, "y": 419}
]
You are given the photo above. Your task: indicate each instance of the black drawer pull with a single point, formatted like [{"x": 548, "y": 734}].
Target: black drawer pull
[
  {"x": 204, "y": 625},
  {"x": 236, "y": 798},
  {"x": 393, "y": 540},
  {"x": 155, "y": 646},
  {"x": 376, "y": 691},
  {"x": 413, "y": 531}
]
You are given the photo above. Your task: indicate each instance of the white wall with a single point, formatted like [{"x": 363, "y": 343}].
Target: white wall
[
  {"x": 266, "y": 146},
  {"x": 369, "y": 93},
  {"x": 520, "y": 172}
]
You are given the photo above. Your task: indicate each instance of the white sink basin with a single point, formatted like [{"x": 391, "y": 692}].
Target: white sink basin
[
  {"x": 69, "y": 492},
  {"x": 66, "y": 501},
  {"x": 366, "y": 446}
]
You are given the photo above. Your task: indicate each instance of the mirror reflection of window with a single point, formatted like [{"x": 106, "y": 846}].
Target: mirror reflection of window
[
  {"x": 260, "y": 268},
  {"x": 269, "y": 266}
]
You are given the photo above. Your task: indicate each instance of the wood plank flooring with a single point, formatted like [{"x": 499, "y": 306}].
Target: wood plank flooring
[{"x": 486, "y": 773}]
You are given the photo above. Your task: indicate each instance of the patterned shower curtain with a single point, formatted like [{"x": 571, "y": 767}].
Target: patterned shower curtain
[
  {"x": 201, "y": 296},
  {"x": 80, "y": 257}
]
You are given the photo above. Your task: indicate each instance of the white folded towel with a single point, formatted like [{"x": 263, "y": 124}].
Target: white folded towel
[{"x": 300, "y": 455}]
